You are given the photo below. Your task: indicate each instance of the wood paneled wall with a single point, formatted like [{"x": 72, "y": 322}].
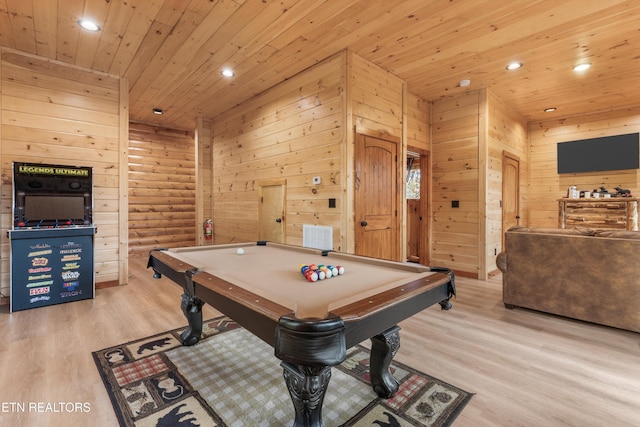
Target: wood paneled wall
[
  {"x": 417, "y": 231},
  {"x": 204, "y": 178},
  {"x": 59, "y": 114},
  {"x": 418, "y": 121},
  {"x": 302, "y": 128},
  {"x": 375, "y": 98},
  {"x": 469, "y": 134},
  {"x": 162, "y": 188},
  {"x": 547, "y": 186},
  {"x": 375, "y": 107},
  {"x": 292, "y": 132},
  {"x": 455, "y": 177},
  {"x": 506, "y": 131}
]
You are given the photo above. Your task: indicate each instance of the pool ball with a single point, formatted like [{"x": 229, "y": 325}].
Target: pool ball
[{"x": 311, "y": 275}]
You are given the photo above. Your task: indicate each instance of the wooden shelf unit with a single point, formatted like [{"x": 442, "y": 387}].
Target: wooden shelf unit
[{"x": 615, "y": 213}]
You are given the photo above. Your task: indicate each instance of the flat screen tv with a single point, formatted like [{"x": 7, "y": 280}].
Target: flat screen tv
[{"x": 608, "y": 153}]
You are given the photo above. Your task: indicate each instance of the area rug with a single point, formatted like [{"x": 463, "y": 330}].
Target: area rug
[{"x": 231, "y": 378}]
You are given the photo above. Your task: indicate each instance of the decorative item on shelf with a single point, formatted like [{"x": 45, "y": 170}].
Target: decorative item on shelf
[{"x": 622, "y": 192}]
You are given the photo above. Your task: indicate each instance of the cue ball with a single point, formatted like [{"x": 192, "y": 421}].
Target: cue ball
[{"x": 240, "y": 251}]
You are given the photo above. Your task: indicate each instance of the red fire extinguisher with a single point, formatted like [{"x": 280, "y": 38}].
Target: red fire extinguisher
[{"x": 208, "y": 229}]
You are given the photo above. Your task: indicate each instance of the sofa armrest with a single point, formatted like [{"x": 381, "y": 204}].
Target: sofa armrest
[{"x": 501, "y": 261}]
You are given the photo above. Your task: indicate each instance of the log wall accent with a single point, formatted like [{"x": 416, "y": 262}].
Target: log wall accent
[
  {"x": 547, "y": 186},
  {"x": 59, "y": 114},
  {"x": 162, "y": 188}
]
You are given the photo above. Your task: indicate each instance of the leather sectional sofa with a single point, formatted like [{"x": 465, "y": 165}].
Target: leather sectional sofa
[{"x": 585, "y": 274}]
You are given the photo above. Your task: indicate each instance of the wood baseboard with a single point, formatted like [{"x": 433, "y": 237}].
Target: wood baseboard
[
  {"x": 109, "y": 284},
  {"x": 468, "y": 274}
]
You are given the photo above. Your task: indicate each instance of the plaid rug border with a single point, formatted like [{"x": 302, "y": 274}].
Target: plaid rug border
[{"x": 120, "y": 363}]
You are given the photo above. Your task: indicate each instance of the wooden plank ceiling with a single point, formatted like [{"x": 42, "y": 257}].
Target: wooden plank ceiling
[{"x": 172, "y": 51}]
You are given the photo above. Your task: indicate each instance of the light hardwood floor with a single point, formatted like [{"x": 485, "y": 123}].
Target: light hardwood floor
[{"x": 525, "y": 368}]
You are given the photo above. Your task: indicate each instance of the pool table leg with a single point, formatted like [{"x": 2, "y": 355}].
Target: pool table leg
[
  {"x": 383, "y": 347},
  {"x": 445, "y": 304},
  {"x": 192, "y": 309},
  {"x": 307, "y": 386}
]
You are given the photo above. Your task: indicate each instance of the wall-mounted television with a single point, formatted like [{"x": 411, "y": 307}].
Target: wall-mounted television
[{"x": 608, "y": 153}]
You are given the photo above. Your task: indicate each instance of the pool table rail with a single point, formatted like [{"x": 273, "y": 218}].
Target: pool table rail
[
  {"x": 233, "y": 301},
  {"x": 381, "y": 301}
]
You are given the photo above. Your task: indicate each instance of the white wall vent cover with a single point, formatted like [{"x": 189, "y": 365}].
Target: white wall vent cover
[{"x": 317, "y": 236}]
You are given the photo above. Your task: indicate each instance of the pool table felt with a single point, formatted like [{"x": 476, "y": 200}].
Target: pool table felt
[{"x": 272, "y": 272}]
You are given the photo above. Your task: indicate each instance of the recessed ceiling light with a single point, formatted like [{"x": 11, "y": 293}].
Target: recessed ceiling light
[
  {"x": 465, "y": 83},
  {"x": 89, "y": 25},
  {"x": 227, "y": 72},
  {"x": 514, "y": 66},
  {"x": 582, "y": 67},
  {"x": 158, "y": 111},
  {"x": 550, "y": 109}
]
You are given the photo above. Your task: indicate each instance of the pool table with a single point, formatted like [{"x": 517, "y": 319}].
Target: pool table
[{"x": 310, "y": 325}]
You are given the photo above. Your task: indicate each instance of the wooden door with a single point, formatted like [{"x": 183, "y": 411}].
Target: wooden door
[
  {"x": 272, "y": 215},
  {"x": 376, "y": 198},
  {"x": 510, "y": 192}
]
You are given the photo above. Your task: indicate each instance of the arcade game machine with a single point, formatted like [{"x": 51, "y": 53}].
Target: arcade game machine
[{"x": 52, "y": 239}]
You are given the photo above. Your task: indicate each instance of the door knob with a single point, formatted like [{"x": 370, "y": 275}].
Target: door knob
[
  {"x": 363, "y": 223},
  {"x": 279, "y": 220}
]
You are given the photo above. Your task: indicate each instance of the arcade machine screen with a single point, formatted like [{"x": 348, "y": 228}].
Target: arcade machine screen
[{"x": 52, "y": 196}]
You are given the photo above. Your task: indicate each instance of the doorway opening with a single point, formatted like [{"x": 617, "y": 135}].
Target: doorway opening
[{"x": 417, "y": 206}]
